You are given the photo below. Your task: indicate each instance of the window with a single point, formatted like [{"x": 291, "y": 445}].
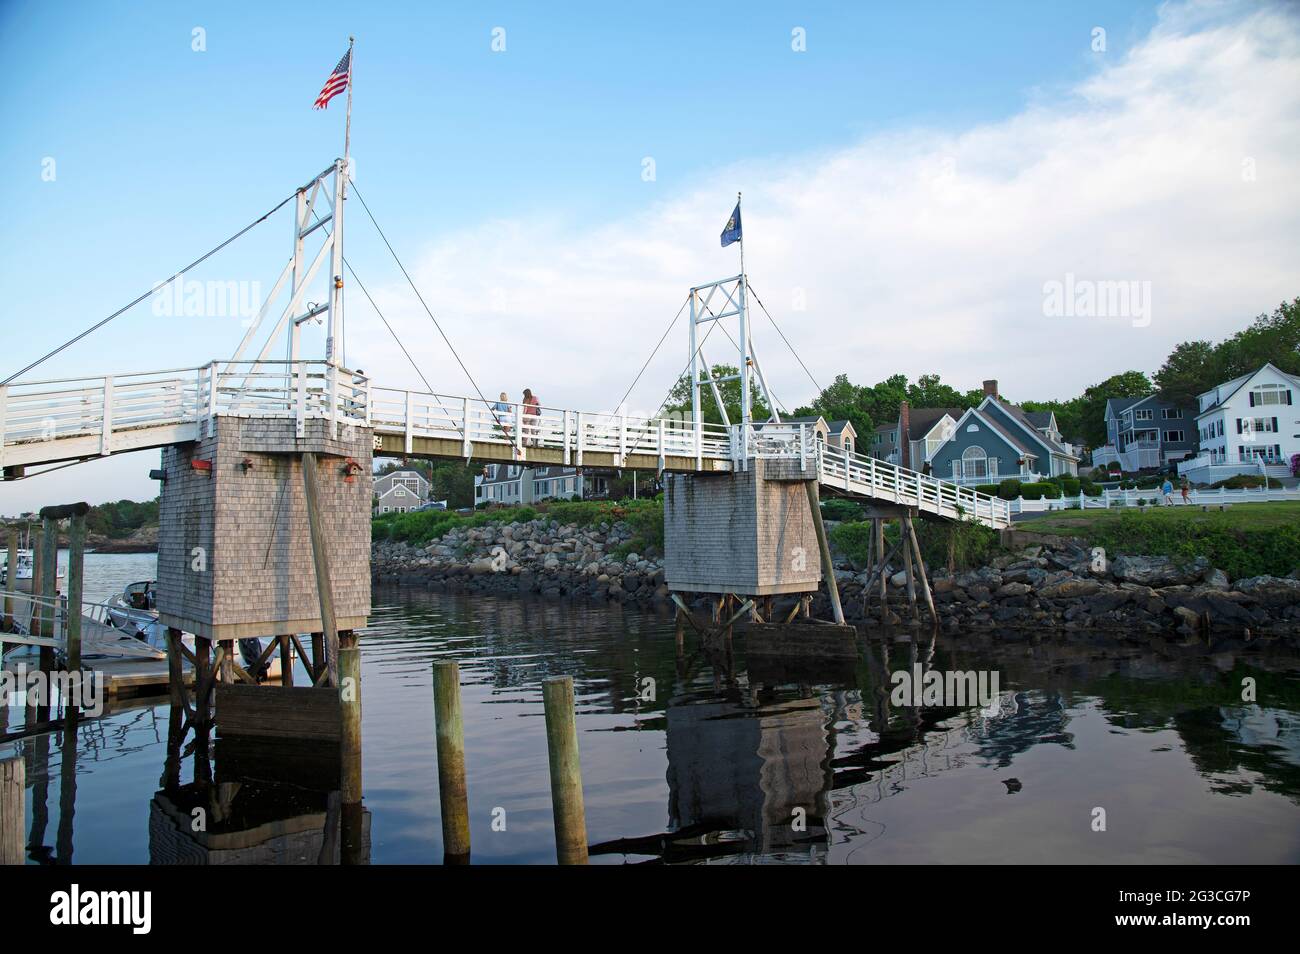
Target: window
[
  {"x": 399, "y": 492},
  {"x": 1143, "y": 414},
  {"x": 1171, "y": 413},
  {"x": 1270, "y": 394},
  {"x": 974, "y": 463},
  {"x": 1173, "y": 437}
]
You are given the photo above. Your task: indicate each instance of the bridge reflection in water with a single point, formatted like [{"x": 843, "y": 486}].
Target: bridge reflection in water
[{"x": 732, "y": 762}]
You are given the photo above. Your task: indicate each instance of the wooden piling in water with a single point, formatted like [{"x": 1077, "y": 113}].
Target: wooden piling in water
[
  {"x": 909, "y": 570},
  {"x": 350, "y": 710},
  {"x": 824, "y": 547},
  {"x": 13, "y": 818},
  {"x": 286, "y": 661},
  {"x": 49, "y": 587},
  {"x": 924, "y": 577},
  {"x": 76, "y": 577},
  {"x": 35, "y": 625},
  {"x": 449, "y": 726},
  {"x": 11, "y": 579},
  {"x": 566, "y": 771}
]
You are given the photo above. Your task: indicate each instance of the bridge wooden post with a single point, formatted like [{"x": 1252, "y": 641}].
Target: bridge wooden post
[
  {"x": 566, "y": 771},
  {"x": 908, "y": 569},
  {"x": 286, "y": 661},
  {"x": 824, "y": 546},
  {"x": 11, "y": 580},
  {"x": 49, "y": 587},
  {"x": 878, "y": 531},
  {"x": 320, "y": 556},
  {"x": 13, "y": 815},
  {"x": 76, "y": 576},
  {"x": 920, "y": 562}
]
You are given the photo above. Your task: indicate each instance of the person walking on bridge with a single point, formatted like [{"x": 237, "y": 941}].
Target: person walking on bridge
[
  {"x": 532, "y": 411},
  {"x": 501, "y": 411}
]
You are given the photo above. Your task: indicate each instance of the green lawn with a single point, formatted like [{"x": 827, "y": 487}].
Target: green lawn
[
  {"x": 1242, "y": 516},
  {"x": 1244, "y": 540}
]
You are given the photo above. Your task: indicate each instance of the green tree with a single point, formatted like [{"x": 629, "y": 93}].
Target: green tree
[{"x": 679, "y": 399}]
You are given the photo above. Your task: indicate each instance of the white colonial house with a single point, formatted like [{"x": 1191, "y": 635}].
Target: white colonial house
[
  {"x": 1249, "y": 425},
  {"x": 512, "y": 485}
]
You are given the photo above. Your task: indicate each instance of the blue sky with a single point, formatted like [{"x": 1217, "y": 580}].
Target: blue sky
[{"x": 490, "y": 169}]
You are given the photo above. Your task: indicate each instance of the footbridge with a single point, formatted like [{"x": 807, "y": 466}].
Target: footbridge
[{"x": 58, "y": 421}]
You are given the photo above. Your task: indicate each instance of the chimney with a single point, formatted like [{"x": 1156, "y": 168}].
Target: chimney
[
  {"x": 991, "y": 388},
  {"x": 904, "y": 428}
]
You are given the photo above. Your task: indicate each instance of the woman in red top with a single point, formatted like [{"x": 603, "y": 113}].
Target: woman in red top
[{"x": 532, "y": 410}]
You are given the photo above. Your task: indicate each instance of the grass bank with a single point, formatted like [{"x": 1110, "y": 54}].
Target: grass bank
[
  {"x": 1247, "y": 539},
  {"x": 646, "y": 517}
]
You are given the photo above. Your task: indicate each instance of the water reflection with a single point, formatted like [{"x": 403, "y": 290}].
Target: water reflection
[{"x": 703, "y": 757}]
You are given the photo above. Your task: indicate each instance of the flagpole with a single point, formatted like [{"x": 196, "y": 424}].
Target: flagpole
[
  {"x": 742, "y": 236},
  {"x": 347, "y": 128}
]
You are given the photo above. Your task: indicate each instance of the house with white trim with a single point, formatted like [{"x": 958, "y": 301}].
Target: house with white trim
[
  {"x": 400, "y": 491},
  {"x": 997, "y": 440},
  {"x": 1147, "y": 433},
  {"x": 513, "y": 485},
  {"x": 1249, "y": 425}
]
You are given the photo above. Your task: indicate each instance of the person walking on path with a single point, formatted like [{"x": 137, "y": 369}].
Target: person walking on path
[
  {"x": 1187, "y": 488},
  {"x": 532, "y": 411},
  {"x": 1167, "y": 488}
]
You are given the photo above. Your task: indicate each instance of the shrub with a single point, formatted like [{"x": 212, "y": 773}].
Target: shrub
[
  {"x": 1010, "y": 489},
  {"x": 854, "y": 541},
  {"x": 990, "y": 489},
  {"x": 837, "y": 508},
  {"x": 1246, "y": 481}
]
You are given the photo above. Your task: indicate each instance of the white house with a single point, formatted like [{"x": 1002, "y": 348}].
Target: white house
[
  {"x": 1249, "y": 425},
  {"x": 397, "y": 499},
  {"x": 512, "y": 485}
]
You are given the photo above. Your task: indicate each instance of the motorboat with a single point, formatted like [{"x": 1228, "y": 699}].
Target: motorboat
[
  {"x": 134, "y": 611},
  {"x": 26, "y": 563}
]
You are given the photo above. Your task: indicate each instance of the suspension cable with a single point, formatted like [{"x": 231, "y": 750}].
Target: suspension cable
[
  {"x": 785, "y": 339},
  {"x": 127, "y": 307},
  {"x": 427, "y": 311},
  {"x": 654, "y": 352}
]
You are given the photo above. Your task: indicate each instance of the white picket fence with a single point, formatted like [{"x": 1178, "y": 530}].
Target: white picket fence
[{"x": 1153, "y": 497}]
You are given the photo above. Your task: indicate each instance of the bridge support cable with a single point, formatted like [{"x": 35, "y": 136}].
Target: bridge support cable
[
  {"x": 401, "y": 344},
  {"x": 672, "y": 324},
  {"x": 668, "y": 396},
  {"x": 427, "y": 310},
  {"x": 152, "y": 290},
  {"x": 819, "y": 388}
]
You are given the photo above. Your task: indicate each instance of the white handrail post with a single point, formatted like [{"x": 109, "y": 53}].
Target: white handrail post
[
  {"x": 579, "y": 463},
  {"x": 467, "y": 439},
  {"x": 300, "y": 402},
  {"x": 622, "y": 440},
  {"x": 332, "y": 387},
  {"x": 212, "y": 398},
  {"x": 567, "y": 432},
  {"x": 803, "y": 456},
  {"x": 699, "y": 445},
  {"x": 408, "y": 423},
  {"x": 106, "y": 433},
  {"x": 366, "y": 396},
  {"x": 663, "y": 451},
  {"x": 519, "y": 432}
]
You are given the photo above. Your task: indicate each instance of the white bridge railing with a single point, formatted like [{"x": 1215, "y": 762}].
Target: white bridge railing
[
  {"x": 43, "y": 421},
  {"x": 49, "y": 421},
  {"x": 868, "y": 477},
  {"x": 469, "y": 421}
]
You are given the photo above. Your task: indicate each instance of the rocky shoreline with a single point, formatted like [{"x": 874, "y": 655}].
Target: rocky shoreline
[{"x": 1052, "y": 584}]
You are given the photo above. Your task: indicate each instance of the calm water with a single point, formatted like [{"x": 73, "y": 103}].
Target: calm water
[{"x": 719, "y": 762}]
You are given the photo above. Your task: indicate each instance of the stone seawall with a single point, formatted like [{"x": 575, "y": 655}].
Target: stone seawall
[{"x": 1052, "y": 587}]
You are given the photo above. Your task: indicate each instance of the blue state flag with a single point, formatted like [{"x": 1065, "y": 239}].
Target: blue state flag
[{"x": 732, "y": 232}]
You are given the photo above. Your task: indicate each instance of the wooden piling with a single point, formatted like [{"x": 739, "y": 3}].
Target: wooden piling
[
  {"x": 566, "y": 771},
  {"x": 909, "y": 570},
  {"x": 350, "y": 710},
  {"x": 13, "y": 818},
  {"x": 202, "y": 678},
  {"x": 824, "y": 546},
  {"x": 320, "y": 559},
  {"x": 35, "y": 625},
  {"x": 286, "y": 661},
  {"x": 76, "y": 576},
  {"x": 49, "y": 587},
  {"x": 450, "y": 731},
  {"x": 878, "y": 528},
  {"x": 920, "y": 563},
  {"x": 11, "y": 579}
]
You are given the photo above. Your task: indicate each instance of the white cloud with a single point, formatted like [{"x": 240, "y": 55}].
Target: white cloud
[{"x": 922, "y": 251}]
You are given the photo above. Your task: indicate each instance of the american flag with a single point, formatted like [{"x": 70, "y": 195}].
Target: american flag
[{"x": 337, "y": 82}]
